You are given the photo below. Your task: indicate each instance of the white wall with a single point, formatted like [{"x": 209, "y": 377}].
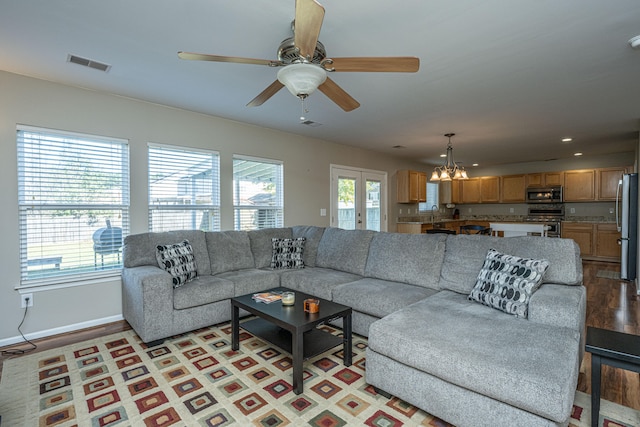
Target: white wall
[{"x": 28, "y": 101}]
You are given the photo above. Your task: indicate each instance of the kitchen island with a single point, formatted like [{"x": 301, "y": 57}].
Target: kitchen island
[{"x": 512, "y": 229}]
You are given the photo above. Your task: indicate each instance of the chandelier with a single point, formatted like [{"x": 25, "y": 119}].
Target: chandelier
[{"x": 450, "y": 170}]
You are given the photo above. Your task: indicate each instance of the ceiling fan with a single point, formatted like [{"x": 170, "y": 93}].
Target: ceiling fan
[{"x": 305, "y": 64}]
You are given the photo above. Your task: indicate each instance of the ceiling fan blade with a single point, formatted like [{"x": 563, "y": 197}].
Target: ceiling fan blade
[
  {"x": 391, "y": 64},
  {"x": 308, "y": 21},
  {"x": 271, "y": 90},
  {"x": 217, "y": 58},
  {"x": 338, "y": 95}
]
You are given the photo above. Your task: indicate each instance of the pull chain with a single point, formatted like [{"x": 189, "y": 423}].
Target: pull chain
[{"x": 304, "y": 109}]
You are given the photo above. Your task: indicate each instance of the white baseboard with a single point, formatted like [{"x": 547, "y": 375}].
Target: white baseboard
[{"x": 61, "y": 330}]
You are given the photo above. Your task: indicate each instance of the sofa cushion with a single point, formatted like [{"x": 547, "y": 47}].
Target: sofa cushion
[
  {"x": 313, "y": 235},
  {"x": 251, "y": 280},
  {"x": 261, "y": 246},
  {"x": 379, "y": 297},
  {"x": 522, "y": 363},
  {"x": 204, "y": 290},
  {"x": 140, "y": 249},
  {"x": 344, "y": 250},
  {"x": 287, "y": 253},
  {"x": 229, "y": 250},
  {"x": 315, "y": 281},
  {"x": 506, "y": 282},
  {"x": 178, "y": 261},
  {"x": 410, "y": 258},
  {"x": 465, "y": 254}
]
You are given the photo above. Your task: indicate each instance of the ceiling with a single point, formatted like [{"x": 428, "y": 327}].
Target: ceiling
[{"x": 510, "y": 77}]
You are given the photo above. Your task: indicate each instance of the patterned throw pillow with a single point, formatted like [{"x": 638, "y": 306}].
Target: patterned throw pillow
[
  {"x": 287, "y": 253},
  {"x": 506, "y": 282},
  {"x": 177, "y": 260}
]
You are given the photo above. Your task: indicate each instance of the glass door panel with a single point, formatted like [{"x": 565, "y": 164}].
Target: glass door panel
[{"x": 358, "y": 199}]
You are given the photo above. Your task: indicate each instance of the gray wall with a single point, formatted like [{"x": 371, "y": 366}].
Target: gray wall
[{"x": 29, "y": 101}]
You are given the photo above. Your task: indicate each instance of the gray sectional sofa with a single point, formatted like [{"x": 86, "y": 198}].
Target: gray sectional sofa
[{"x": 467, "y": 363}]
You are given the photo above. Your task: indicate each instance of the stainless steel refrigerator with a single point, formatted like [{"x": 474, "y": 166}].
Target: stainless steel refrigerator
[{"x": 627, "y": 223}]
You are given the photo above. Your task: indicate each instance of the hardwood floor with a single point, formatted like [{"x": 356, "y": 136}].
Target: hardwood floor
[{"x": 611, "y": 304}]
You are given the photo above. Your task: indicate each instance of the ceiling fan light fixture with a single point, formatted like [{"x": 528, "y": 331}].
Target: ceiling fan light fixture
[{"x": 302, "y": 79}]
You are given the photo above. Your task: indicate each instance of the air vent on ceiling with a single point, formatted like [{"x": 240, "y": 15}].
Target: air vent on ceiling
[
  {"x": 311, "y": 123},
  {"x": 88, "y": 63}
]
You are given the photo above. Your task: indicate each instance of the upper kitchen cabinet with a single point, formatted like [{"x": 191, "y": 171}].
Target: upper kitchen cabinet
[
  {"x": 607, "y": 180},
  {"x": 480, "y": 190},
  {"x": 545, "y": 179},
  {"x": 490, "y": 189},
  {"x": 580, "y": 185},
  {"x": 412, "y": 186},
  {"x": 553, "y": 179},
  {"x": 513, "y": 188},
  {"x": 470, "y": 190}
]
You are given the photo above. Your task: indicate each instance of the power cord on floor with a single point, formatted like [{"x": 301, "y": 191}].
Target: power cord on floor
[{"x": 16, "y": 352}]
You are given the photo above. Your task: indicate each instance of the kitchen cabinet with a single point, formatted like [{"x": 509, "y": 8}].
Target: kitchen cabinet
[
  {"x": 580, "y": 186},
  {"x": 490, "y": 189},
  {"x": 607, "y": 182},
  {"x": 412, "y": 186},
  {"x": 470, "y": 190},
  {"x": 480, "y": 190},
  {"x": 513, "y": 189},
  {"x": 597, "y": 241},
  {"x": 607, "y": 246},
  {"x": 545, "y": 179},
  {"x": 409, "y": 227},
  {"x": 552, "y": 179},
  {"x": 582, "y": 233}
]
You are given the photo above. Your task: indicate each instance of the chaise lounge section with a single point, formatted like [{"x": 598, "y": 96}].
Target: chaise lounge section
[{"x": 465, "y": 362}]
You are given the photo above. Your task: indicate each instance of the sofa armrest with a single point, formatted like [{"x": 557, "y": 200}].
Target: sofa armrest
[
  {"x": 559, "y": 305},
  {"x": 147, "y": 301}
]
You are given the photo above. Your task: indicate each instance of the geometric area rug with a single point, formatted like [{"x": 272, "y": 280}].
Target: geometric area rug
[{"x": 195, "y": 379}]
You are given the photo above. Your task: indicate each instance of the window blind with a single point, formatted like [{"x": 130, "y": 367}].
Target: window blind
[
  {"x": 258, "y": 199},
  {"x": 73, "y": 199},
  {"x": 184, "y": 189}
]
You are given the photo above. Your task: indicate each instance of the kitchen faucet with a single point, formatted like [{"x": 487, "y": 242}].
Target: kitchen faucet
[{"x": 433, "y": 214}]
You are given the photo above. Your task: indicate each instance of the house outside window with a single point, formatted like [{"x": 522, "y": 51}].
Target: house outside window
[
  {"x": 258, "y": 200},
  {"x": 73, "y": 199},
  {"x": 184, "y": 189}
]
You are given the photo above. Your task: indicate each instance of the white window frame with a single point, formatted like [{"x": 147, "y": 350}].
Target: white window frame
[
  {"x": 196, "y": 215},
  {"x": 275, "y": 208},
  {"x": 46, "y": 172}
]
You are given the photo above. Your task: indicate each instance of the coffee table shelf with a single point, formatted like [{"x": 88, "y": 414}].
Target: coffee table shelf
[{"x": 316, "y": 341}]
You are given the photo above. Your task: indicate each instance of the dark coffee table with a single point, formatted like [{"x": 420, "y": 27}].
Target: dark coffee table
[
  {"x": 291, "y": 329},
  {"x": 612, "y": 348}
]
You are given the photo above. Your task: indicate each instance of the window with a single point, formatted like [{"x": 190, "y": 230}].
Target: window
[
  {"x": 258, "y": 200},
  {"x": 73, "y": 199},
  {"x": 184, "y": 189},
  {"x": 432, "y": 197}
]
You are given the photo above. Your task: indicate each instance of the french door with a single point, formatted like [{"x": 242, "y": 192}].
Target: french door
[{"x": 358, "y": 199}]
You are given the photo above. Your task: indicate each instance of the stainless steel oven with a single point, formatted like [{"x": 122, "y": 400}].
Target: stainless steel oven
[{"x": 549, "y": 215}]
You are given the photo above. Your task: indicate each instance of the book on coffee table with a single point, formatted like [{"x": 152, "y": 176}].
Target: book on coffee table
[{"x": 267, "y": 297}]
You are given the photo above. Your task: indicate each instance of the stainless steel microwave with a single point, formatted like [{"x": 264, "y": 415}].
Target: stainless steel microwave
[{"x": 544, "y": 194}]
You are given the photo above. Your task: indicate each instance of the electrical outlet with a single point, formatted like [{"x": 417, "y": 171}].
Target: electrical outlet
[
  {"x": 610, "y": 210},
  {"x": 400, "y": 211},
  {"x": 511, "y": 210},
  {"x": 572, "y": 210},
  {"x": 27, "y": 300}
]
